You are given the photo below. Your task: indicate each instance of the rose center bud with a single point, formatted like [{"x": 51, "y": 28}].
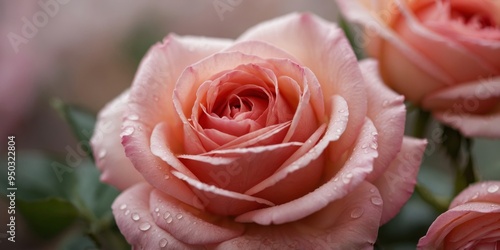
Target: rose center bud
[{"x": 240, "y": 101}]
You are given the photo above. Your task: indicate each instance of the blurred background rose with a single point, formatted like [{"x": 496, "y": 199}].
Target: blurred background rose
[{"x": 87, "y": 52}]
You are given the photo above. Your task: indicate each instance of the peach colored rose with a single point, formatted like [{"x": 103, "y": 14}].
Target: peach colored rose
[
  {"x": 278, "y": 139},
  {"x": 472, "y": 222},
  {"x": 442, "y": 55}
]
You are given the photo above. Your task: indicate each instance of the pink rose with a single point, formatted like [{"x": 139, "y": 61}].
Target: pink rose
[
  {"x": 472, "y": 222},
  {"x": 278, "y": 139},
  {"x": 442, "y": 55}
]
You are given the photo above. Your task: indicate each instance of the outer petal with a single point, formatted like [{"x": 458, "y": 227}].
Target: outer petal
[
  {"x": 133, "y": 217},
  {"x": 388, "y": 113},
  {"x": 449, "y": 223},
  {"x": 473, "y": 218},
  {"x": 472, "y": 125},
  {"x": 150, "y": 103},
  {"x": 477, "y": 96},
  {"x": 334, "y": 64},
  {"x": 397, "y": 183},
  {"x": 191, "y": 225},
  {"x": 349, "y": 223},
  {"x": 410, "y": 62},
  {"x": 116, "y": 168},
  {"x": 488, "y": 191}
]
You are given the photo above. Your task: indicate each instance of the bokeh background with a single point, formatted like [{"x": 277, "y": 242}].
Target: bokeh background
[{"x": 85, "y": 52}]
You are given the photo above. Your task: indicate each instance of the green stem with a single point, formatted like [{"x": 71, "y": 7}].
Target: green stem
[
  {"x": 421, "y": 123},
  {"x": 419, "y": 131},
  {"x": 440, "y": 204},
  {"x": 468, "y": 175}
]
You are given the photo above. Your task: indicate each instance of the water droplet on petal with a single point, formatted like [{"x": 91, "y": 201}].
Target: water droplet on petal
[
  {"x": 144, "y": 226},
  {"x": 133, "y": 117},
  {"x": 163, "y": 243},
  {"x": 135, "y": 216},
  {"x": 178, "y": 216},
  {"x": 123, "y": 206},
  {"x": 493, "y": 188},
  {"x": 127, "y": 131},
  {"x": 168, "y": 217},
  {"x": 127, "y": 212},
  {"x": 475, "y": 195},
  {"x": 376, "y": 200},
  {"x": 385, "y": 103},
  {"x": 374, "y": 145},
  {"x": 157, "y": 210},
  {"x": 364, "y": 146},
  {"x": 357, "y": 212},
  {"x": 372, "y": 190},
  {"x": 166, "y": 177},
  {"x": 102, "y": 154},
  {"x": 342, "y": 111}
]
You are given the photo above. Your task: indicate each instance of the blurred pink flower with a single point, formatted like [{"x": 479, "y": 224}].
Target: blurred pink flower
[{"x": 472, "y": 221}]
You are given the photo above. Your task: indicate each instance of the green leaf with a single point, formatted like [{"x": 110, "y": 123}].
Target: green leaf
[
  {"x": 81, "y": 122},
  {"x": 93, "y": 198},
  {"x": 38, "y": 177},
  {"x": 77, "y": 241},
  {"x": 353, "y": 37},
  {"x": 49, "y": 216}
]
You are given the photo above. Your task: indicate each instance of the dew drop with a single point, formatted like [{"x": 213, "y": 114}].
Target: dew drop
[
  {"x": 168, "y": 217},
  {"x": 157, "y": 210},
  {"x": 127, "y": 131},
  {"x": 385, "y": 103},
  {"x": 364, "y": 146},
  {"x": 179, "y": 216},
  {"x": 374, "y": 145},
  {"x": 342, "y": 111},
  {"x": 144, "y": 226},
  {"x": 135, "y": 216},
  {"x": 376, "y": 200},
  {"x": 166, "y": 177},
  {"x": 127, "y": 212},
  {"x": 156, "y": 98},
  {"x": 163, "y": 243},
  {"x": 102, "y": 154},
  {"x": 357, "y": 212},
  {"x": 372, "y": 190},
  {"x": 123, "y": 206},
  {"x": 493, "y": 188},
  {"x": 133, "y": 117}
]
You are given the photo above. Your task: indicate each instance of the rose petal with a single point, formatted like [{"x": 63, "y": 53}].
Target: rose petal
[
  {"x": 448, "y": 221},
  {"x": 488, "y": 191},
  {"x": 396, "y": 184},
  {"x": 157, "y": 74},
  {"x": 191, "y": 225},
  {"x": 335, "y": 65},
  {"x": 235, "y": 169},
  {"x": 387, "y": 111},
  {"x": 471, "y": 97},
  {"x": 116, "y": 169},
  {"x": 472, "y": 125},
  {"x": 350, "y": 223},
  {"x": 381, "y": 38},
  {"x": 133, "y": 217},
  {"x": 347, "y": 178},
  {"x": 440, "y": 49},
  {"x": 220, "y": 201},
  {"x": 301, "y": 160}
]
